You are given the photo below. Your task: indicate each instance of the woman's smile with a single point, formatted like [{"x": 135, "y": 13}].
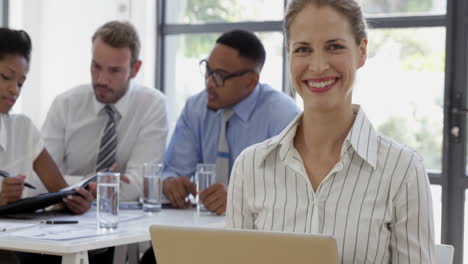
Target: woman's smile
[{"x": 321, "y": 85}]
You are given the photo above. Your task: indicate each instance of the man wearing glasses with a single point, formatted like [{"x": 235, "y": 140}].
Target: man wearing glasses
[{"x": 232, "y": 113}]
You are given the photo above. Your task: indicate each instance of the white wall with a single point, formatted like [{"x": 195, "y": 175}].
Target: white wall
[{"x": 61, "y": 32}]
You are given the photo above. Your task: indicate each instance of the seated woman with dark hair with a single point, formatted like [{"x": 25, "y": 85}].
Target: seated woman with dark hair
[{"x": 22, "y": 151}]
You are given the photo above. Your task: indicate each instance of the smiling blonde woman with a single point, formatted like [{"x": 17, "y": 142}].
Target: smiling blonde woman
[{"x": 330, "y": 172}]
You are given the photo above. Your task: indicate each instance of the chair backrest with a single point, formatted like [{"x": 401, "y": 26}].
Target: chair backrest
[
  {"x": 229, "y": 246},
  {"x": 444, "y": 254}
]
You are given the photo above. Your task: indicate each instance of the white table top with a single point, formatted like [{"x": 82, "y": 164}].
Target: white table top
[{"x": 130, "y": 231}]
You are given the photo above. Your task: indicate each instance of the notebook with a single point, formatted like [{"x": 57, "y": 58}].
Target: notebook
[
  {"x": 196, "y": 245},
  {"x": 41, "y": 201}
]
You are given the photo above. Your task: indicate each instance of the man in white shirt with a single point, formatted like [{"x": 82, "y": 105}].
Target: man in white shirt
[{"x": 76, "y": 130}]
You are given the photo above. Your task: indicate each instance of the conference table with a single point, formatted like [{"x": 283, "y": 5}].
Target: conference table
[{"x": 35, "y": 237}]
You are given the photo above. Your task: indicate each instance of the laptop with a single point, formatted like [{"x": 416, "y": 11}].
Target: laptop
[{"x": 197, "y": 245}]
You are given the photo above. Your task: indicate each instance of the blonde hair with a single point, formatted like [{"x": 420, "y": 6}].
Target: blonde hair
[
  {"x": 349, "y": 8},
  {"x": 120, "y": 35}
]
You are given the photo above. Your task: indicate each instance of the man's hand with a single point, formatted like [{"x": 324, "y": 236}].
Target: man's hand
[
  {"x": 176, "y": 189},
  {"x": 11, "y": 189},
  {"x": 92, "y": 188},
  {"x": 214, "y": 198},
  {"x": 79, "y": 203},
  {"x": 123, "y": 178}
]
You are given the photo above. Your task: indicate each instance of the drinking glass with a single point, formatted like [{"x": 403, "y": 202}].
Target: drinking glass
[
  {"x": 108, "y": 184},
  {"x": 205, "y": 176},
  {"x": 152, "y": 187}
]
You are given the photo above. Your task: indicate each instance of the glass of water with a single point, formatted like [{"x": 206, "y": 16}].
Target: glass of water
[
  {"x": 152, "y": 187},
  {"x": 108, "y": 184},
  {"x": 205, "y": 176}
]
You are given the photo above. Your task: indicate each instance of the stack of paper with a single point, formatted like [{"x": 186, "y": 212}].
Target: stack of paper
[
  {"x": 10, "y": 226},
  {"x": 61, "y": 232}
]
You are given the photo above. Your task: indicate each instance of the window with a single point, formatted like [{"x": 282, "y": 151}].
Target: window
[
  {"x": 413, "y": 63},
  {"x": 413, "y": 87},
  {"x": 394, "y": 8},
  {"x": 3, "y": 13}
]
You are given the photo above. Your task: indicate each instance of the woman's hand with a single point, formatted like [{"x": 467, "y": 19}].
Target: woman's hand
[{"x": 11, "y": 189}]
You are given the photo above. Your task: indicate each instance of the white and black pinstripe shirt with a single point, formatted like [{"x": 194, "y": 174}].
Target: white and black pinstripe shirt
[{"x": 375, "y": 201}]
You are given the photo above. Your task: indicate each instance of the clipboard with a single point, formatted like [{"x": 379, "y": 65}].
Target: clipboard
[{"x": 41, "y": 201}]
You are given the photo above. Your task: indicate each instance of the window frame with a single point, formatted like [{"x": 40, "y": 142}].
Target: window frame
[{"x": 454, "y": 181}]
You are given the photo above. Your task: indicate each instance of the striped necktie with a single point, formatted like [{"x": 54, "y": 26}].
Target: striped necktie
[
  {"x": 222, "y": 158},
  {"x": 108, "y": 146}
]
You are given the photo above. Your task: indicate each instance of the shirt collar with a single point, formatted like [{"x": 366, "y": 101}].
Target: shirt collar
[
  {"x": 245, "y": 108},
  {"x": 122, "y": 104},
  {"x": 283, "y": 140},
  {"x": 3, "y": 132},
  {"x": 362, "y": 137}
]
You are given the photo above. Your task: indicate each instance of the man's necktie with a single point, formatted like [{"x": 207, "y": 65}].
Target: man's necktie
[
  {"x": 108, "y": 146},
  {"x": 222, "y": 159}
]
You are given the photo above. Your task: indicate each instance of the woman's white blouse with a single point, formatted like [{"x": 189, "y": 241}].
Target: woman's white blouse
[
  {"x": 375, "y": 201},
  {"x": 20, "y": 145}
]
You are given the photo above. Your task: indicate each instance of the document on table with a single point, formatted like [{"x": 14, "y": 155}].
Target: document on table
[
  {"x": 87, "y": 218},
  {"x": 90, "y": 217},
  {"x": 61, "y": 232},
  {"x": 10, "y": 226}
]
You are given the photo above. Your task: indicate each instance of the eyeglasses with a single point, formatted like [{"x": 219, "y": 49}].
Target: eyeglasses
[{"x": 219, "y": 78}]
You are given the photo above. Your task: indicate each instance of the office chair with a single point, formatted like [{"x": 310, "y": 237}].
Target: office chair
[{"x": 444, "y": 254}]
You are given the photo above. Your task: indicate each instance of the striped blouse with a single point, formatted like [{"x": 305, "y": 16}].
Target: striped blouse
[{"x": 375, "y": 201}]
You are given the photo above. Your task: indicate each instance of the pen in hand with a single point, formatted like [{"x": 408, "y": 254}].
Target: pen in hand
[
  {"x": 5, "y": 174},
  {"x": 59, "y": 222}
]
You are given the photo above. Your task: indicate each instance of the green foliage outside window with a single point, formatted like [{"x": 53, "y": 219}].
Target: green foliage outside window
[
  {"x": 422, "y": 133},
  {"x": 396, "y": 6},
  {"x": 417, "y": 128},
  {"x": 211, "y": 11}
]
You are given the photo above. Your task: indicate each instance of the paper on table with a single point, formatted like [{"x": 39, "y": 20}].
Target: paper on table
[
  {"x": 9, "y": 226},
  {"x": 61, "y": 232},
  {"x": 90, "y": 217}
]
